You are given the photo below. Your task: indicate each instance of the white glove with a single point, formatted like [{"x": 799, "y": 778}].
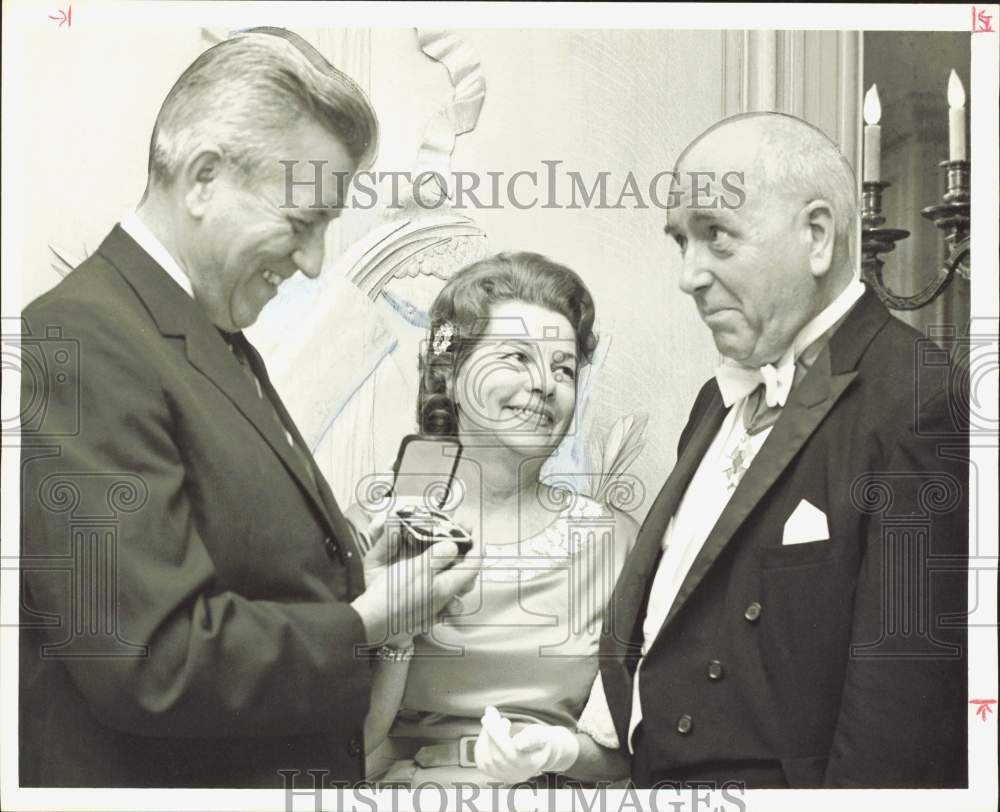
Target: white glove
[{"x": 536, "y": 749}]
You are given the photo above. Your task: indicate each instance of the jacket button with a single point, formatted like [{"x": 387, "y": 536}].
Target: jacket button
[
  {"x": 752, "y": 612},
  {"x": 354, "y": 747},
  {"x": 684, "y": 724},
  {"x": 715, "y": 670},
  {"x": 331, "y": 547}
]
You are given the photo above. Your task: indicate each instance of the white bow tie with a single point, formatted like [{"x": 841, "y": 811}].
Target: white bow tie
[{"x": 737, "y": 382}]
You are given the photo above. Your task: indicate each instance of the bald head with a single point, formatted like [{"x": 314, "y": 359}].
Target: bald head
[
  {"x": 766, "y": 221},
  {"x": 783, "y": 160}
]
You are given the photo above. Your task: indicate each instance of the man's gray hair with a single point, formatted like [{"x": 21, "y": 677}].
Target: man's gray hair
[
  {"x": 797, "y": 159},
  {"x": 247, "y": 93},
  {"x": 800, "y": 159}
]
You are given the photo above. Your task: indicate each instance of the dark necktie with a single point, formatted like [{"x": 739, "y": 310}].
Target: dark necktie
[{"x": 237, "y": 344}]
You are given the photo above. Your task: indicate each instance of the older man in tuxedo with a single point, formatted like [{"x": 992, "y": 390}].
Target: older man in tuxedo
[
  {"x": 791, "y": 615},
  {"x": 195, "y": 609}
]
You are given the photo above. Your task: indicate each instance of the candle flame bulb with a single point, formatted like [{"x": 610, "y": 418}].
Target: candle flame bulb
[
  {"x": 956, "y": 93},
  {"x": 873, "y": 107}
]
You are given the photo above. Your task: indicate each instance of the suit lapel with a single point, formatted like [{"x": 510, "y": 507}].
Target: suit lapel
[
  {"x": 177, "y": 314},
  {"x": 636, "y": 576},
  {"x": 208, "y": 353},
  {"x": 340, "y": 525}
]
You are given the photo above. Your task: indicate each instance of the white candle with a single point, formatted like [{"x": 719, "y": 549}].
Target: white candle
[
  {"x": 956, "y": 118},
  {"x": 873, "y": 136}
]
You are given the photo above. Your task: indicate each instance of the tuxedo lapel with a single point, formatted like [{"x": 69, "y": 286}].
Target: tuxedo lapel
[
  {"x": 636, "y": 576},
  {"x": 807, "y": 405},
  {"x": 177, "y": 314}
]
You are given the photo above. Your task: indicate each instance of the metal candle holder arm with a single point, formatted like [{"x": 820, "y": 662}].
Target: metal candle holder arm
[{"x": 951, "y": 216}]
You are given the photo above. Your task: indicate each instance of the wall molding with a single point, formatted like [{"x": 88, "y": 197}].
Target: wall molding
[{"x": 815, "y": 75}]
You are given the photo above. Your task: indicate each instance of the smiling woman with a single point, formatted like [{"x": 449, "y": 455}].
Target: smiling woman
[
  {"x": 508, "y": 337},
  {"x": 520, "y": 381},
  {"x": 507, "y": 313}
]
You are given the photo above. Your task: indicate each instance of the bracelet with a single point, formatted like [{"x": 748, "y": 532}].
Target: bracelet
[{"x": 395, "y": 655}]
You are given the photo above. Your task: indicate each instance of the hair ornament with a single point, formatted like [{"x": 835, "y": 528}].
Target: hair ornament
[{"x": 442, "y": 338}]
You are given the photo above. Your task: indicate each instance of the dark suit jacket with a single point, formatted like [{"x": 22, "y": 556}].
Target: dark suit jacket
[
  {"x": 186, "y": 581},
  {"x": 832, "y": 663}
]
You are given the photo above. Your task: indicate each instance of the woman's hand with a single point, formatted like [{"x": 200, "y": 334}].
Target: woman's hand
[{"x": 534, "y": 750}]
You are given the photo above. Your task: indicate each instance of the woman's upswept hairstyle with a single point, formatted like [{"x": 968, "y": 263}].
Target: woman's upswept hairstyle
[{"x": 462, "y": 308}]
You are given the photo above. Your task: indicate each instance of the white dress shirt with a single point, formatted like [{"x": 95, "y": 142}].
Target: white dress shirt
[
  {"x": 710, "y": 489},
  {"x": 139, "y": 231}
]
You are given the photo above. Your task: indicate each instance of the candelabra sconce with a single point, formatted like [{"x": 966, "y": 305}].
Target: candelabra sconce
[
  {"x": 951, "y": 216},
  {"x": 876, "y": 240}
]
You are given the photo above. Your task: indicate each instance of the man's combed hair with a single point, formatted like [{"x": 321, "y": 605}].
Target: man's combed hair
[
  {"x": 245, "y": 94},
  {"x": 464, "y": 303}
]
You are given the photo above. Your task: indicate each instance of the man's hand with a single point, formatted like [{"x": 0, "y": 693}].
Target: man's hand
[
  {"x": 380, "y": 551},
  {"x": 536, "y": 749},
  {"x": 403, "y": 594}
]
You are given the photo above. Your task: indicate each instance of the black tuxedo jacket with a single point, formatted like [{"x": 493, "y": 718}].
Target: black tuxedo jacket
[
  {"x": 185, "y": 579},
  {"x": 837, "y": 663}
]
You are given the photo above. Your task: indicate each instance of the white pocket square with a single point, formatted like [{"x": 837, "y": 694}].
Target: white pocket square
[{"x": 807, "y": 523}]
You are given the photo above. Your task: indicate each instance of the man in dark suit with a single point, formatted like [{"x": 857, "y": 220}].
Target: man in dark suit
[
  {"x": 195, "y": 609},
  {"x": 792, "y": 612}
]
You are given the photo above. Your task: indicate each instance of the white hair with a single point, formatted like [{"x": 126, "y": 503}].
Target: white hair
[{"x": 244, "y": 94}]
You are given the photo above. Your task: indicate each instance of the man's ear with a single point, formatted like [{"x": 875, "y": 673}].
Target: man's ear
[
  {"x": 818, "y": 217},
  {"x": 200, "y": 177}
]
